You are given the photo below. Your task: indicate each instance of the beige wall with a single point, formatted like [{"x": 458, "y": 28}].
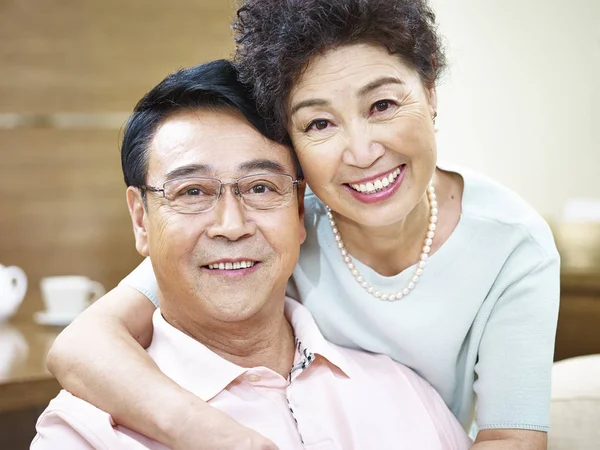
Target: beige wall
[{"x": 521, "y": 99}]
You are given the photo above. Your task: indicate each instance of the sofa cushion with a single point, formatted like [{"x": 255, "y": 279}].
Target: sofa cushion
[{"x": 575, "y": 406}]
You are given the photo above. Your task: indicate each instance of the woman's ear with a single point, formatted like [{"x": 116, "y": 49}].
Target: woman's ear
[
  {"x": 432, "y": 98},
  {"x": 137, "y": 210}
]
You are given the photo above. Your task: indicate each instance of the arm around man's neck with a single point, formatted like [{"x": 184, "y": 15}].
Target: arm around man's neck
[{"x": 100, "y": 358}]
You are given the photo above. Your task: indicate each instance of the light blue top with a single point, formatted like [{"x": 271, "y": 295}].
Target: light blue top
[{"x": 480, "y": 323}]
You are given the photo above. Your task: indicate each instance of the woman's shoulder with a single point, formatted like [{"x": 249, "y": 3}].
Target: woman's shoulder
[
  {"x": 314, "y": 208},
  {"x": 488, "y": 201},
  {"x": 315, "y": 219}
]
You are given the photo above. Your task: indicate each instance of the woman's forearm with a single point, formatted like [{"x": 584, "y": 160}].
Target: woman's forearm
[
  {"x": 100, "y": 358},
  {"x": 507, "y": 439}
]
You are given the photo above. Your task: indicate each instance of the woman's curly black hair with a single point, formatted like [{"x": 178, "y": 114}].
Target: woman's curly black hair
[{"x": 277, "y": 38}]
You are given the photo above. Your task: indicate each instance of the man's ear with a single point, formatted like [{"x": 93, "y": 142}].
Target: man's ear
[
  {"x": 138, "y": 213},
  {"x": 301, "y": 210}
]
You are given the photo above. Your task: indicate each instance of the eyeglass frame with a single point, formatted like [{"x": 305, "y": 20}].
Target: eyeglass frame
[{"x": 295, "y": 182}]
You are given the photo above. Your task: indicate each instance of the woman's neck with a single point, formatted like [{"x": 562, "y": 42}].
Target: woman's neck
[{"x": 389, "y": 249}]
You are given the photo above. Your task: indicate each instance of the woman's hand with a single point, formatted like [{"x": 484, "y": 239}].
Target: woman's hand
[{"x": 221, "y": 433}]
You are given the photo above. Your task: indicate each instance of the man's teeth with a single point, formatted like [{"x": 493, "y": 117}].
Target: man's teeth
[
  {"x": 232, "y": 266},
  {"x": 377, "y": 185}
]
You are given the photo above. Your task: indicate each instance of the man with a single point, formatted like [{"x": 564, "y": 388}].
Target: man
[{"x": 218, "y": 208}]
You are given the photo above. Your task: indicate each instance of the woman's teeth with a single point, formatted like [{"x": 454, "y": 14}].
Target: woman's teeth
[
  {"x": 232, "y": 266},
  {"x": 375, "y": 186}
]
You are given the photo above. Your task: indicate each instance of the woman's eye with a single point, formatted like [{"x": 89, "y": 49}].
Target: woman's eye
[
  {"x": 319, "y": 125},
  {"x": 382, "y": 106}
]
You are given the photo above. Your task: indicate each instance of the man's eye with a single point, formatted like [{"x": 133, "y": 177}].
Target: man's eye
[
  {"x": 259, "y": 189},
  {"x": 319, "y": 125},
  {"x": 191, "y": 191}
]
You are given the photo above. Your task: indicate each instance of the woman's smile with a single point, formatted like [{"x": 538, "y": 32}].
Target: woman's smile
[{"x": 377, "y": 188}]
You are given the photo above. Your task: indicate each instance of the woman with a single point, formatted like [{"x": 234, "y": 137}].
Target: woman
[{"x": 443, "y": 270}]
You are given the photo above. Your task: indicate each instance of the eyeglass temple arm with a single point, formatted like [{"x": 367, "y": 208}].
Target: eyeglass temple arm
[{"x": 151, "y": 188}]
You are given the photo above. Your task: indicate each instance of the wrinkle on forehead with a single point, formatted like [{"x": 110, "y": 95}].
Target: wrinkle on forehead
[
  {"x": 218, "y": 138},
  {"x": 344, "y": 70}
]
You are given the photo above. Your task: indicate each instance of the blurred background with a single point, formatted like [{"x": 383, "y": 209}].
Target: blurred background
[{"x": 519, "y": 103}]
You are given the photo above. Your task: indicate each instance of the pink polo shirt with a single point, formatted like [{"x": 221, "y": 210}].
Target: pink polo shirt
[{"x": 335, "y": 398}]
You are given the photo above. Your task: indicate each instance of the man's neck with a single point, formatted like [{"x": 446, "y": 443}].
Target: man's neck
[{"x": 266, "y": 339}]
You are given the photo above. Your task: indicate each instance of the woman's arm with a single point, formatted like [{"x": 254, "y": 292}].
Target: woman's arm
[
  {"x": 100, "y": 358},
  {"x": 511, "y": 440}
]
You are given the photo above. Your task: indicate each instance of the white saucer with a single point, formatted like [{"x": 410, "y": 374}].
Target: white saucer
[{"x": 54, "y": 319}]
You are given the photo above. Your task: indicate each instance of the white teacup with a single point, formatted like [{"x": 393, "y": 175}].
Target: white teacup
[
  {"x": 13, "y": 349},
  {"x": 13, "y": 286},
  {"x": 69, "y": 295}
]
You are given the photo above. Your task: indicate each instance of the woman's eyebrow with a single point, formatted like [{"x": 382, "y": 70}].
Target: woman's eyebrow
[
  {"x": 308, "y": 103},
  {"x": 361, "y": 92},
  {"x": 378, "y": 83}
]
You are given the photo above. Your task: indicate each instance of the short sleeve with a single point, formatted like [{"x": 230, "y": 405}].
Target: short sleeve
[
  {"x": 54, "y": 432},
  {"x": 143, "y": 279},
  {"x": 71, "y": 423},
  {"x": 517, "y": 346}
]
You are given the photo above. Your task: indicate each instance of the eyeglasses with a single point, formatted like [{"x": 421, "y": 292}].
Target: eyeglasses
[{"x": 199, "y": 194}]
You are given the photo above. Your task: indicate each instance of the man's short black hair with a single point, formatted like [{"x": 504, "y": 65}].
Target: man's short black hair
[{"x": 212, "y": 85}]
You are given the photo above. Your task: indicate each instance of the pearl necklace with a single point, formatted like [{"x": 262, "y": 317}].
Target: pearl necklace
[{"x": 433, "y": 218}]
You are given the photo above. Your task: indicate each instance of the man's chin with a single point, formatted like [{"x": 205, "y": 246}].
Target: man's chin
[{"x": 238, "y": 308}]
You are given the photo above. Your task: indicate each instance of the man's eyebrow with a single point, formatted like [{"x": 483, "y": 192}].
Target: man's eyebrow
[
  {"x": 378, "y": 83},
  {"x": 307, "y": 104},
  {"x": 188, "y": 170},
  {"x": 263, "y": 165}
]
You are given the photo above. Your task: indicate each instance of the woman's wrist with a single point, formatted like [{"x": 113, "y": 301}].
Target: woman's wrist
[
  {"x": 190, "y": 423},
  {"x": 179, "y": 412}
]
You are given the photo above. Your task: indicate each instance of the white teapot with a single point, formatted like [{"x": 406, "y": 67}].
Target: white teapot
[{"x": 13, "y": 286}]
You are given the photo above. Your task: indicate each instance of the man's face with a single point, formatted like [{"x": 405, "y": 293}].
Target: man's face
[{"x": 186, "y": 249}]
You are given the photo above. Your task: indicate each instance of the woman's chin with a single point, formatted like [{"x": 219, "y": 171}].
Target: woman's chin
[{"x": 382, "y": 216}]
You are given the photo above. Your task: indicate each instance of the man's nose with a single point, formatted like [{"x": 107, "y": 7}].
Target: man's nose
[
  {"x": 230, "y": 217},
  {"x": 361, "y": 149}
]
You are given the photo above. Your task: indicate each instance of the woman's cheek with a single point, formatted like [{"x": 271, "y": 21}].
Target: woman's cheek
[{"x": 318, "y": 151}]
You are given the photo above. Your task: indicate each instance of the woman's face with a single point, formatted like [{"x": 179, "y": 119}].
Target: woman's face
[{"x": 361, "y": 124}]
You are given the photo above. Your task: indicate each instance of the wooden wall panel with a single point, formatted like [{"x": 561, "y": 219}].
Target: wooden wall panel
[
  {"x": 578, "y": 331},
  {"x": 62, "y": 203},
  {"x": 62, "y": 207},
  {"x": 102, "y": 55}
]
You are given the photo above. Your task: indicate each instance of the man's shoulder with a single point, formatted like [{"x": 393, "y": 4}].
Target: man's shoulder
[
  {"x": 387, "y": 381},
  {"x": 379, "y": 368},
  {"x": 70, "y": 407},
  {"x": 69, "y": 420},
  {"x": 314, "y": 209}
]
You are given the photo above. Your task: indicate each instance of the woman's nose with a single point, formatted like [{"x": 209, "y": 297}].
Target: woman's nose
[{"x": 362, "y": 150}]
